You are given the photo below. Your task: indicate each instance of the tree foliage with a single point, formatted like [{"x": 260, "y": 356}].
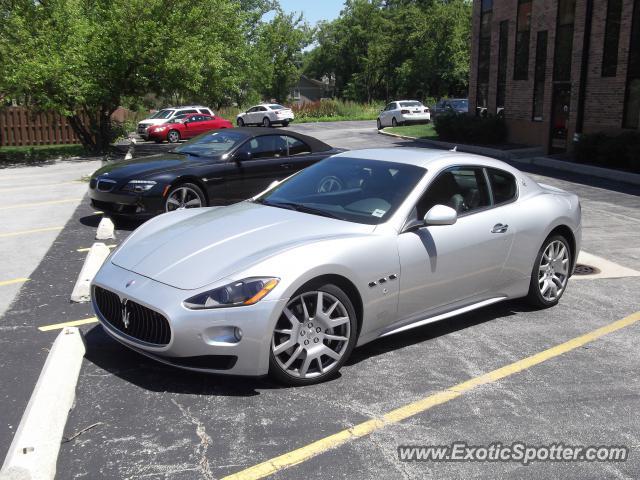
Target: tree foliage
[{"x": 378, "y": 49}]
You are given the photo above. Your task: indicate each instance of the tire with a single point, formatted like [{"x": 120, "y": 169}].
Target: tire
[
  {"x": 549, "y": 275},
  {"x": 379, "y": 124},
  {"x": 394, "y": 122},
  {"x": 314, "y": 331},
  {"x": 285, "y": 123},
  {"x": 240, "y": 122},
  {"x": 173, "y": 136},
  {"x": 176, "y": 200},
  {"x": 266, "y": 122}
]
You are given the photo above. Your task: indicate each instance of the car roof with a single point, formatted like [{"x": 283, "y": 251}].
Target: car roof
[
  {"x": 431, "y": 159},
  {"x": 406, "y": 101},
  {"x": 315, "y": 144}
]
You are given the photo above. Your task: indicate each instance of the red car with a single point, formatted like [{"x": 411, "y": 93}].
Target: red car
[{"x": 187, "y": 127}]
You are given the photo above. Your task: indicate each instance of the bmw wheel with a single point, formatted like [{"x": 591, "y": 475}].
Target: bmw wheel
[
  {"x": 266, "y": 122},
  {"x": 240, "y": 122},
  {"x": 313, "y": 337},
  {"x": 173, "y": 136},
  {"x": 550, "y": 272},
  {"x": 185, "y": 195}
]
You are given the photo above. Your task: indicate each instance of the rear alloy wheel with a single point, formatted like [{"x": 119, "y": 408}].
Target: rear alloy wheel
[
  {"x": 240, "y": 122},
  {"x": 550, "y": 272},
  {"x": 185, "y": 195},
  {"x": 379, "y": 124},
  {"x": 394, "y": 122},
  {"x": 266, "y": 122},
  {"x": 313, "y": 337},
  {"x": 173, "y": 136}
]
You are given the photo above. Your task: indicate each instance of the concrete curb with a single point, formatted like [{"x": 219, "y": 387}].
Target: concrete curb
[
  {"x": 530, "y": 156},
  {"x": 95, "y": 258},
  {"x": 33, "y": 453},
  {"x": 105, "y": 229}
]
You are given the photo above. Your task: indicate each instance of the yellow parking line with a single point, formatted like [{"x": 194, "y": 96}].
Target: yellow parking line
[
  {"x": 13, "y": 281},
  {"x": 75, "y": 323},
  {"x": 26, "y": 232},
  {"x": 81, "y": 250},
  {"x": 39, "y": 204},
  {"x": 302, "y": 454},
  {"x": 45, "y": 185}
]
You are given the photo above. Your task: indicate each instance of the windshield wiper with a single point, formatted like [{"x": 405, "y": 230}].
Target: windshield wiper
[{"x": 300, "y": 207}]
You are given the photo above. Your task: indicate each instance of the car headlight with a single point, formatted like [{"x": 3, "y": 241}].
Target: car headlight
[
  {"x": 139, "y": 186},
  {"x": 241, "y": 292}
]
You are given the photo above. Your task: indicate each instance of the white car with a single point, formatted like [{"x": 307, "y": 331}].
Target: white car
[
  {"x": 167, "y": 114},
  {"x": 266, "y": 114},
  {"x": 403, "y": 112}
]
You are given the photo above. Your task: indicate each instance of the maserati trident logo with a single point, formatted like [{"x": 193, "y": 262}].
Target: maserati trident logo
[{"x": 125, "y": 313}]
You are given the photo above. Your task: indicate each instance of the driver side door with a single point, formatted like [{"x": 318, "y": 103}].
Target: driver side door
[{"x": 447, "y": 264}]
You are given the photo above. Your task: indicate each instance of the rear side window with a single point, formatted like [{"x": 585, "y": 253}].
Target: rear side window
[
  {"x": 503, "y": 185},
  {"x": 206, "y": 111},
  {"x": 297, "y": 147},
  {"x": 187, "y": 111}
]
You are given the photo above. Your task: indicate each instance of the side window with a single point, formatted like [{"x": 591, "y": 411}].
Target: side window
[
  {"x": 267, "y": 146},
  {"x": 297, "y": 147},
  {"x": 206, "y": 111},
  {"x": 262, "y": 109},
  {"x": 462, "y": 188},
  {"x": 503, "y": 186},
  {"x": 389, "y": 107},
  {"x": 188, "y": 111}
]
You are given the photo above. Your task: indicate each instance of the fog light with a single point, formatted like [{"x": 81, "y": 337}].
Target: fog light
[{"x": 237, "y": 332}]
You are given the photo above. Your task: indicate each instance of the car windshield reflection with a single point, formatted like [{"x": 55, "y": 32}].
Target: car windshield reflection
[{"x": 211, "y": 144}]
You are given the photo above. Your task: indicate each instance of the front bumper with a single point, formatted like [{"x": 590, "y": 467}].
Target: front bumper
[
  {"x": 200, "y": 339},
  {"x": 133, "y": 204}
]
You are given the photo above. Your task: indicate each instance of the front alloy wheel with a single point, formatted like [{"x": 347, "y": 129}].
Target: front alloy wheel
[
  {"x": 173, "y": 136},
  {"x": 184, "y": 196},
  {"x": 313, "y": 336}
]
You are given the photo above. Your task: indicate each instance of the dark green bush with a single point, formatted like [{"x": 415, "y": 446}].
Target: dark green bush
[
  {"x": 453, "y": 127},
  {"x": 613, "y": 151}
]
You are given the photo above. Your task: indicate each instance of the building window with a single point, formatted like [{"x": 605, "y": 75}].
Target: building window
[
  {"x": 539, "y": 75},
  {"x": 611, "y": 36},
  {"x": 502, "y": 66},
  {"x": 564, "y": 41},
  {"x": 296, "y": 94},
  {"x": 523, "y": 32},
  {"x": 484, "y": 57},
  {"x": 632, "y": 97}
]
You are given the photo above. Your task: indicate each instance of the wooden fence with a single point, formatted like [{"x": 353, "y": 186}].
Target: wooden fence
[{"x": 19, "y": 126}]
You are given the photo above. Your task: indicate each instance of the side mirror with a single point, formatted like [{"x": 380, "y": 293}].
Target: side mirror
[{"x": 441, "y": 215}]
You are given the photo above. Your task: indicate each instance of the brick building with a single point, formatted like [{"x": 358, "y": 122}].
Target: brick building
[{"x": 556, "y": 68}]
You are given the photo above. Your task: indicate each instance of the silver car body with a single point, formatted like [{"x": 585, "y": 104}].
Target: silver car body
[{"x": 402, "y": 279}]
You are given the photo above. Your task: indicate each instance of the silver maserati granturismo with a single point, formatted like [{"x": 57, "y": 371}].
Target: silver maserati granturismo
[{"x": 361, "y": 245}]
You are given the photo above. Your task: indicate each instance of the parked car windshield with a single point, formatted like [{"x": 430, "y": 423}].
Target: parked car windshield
[
  {"x": 410, "y": 104},
  {"x": 277, "y": 107},
  {"x": 351, "y": 189},
  {"x": 212, "y": 144},
  {"x": 162, "y": 114}
]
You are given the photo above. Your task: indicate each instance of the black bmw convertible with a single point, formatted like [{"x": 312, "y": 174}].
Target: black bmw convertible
[{"x": 217, "y": 168}]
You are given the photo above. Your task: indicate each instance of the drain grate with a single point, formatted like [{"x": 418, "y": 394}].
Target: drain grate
[{"x": 582, "y": 269}]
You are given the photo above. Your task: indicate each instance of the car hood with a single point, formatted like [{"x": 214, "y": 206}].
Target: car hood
[
  {"x": 194, "y": 248},
  {"x": 145, "y": 166}
]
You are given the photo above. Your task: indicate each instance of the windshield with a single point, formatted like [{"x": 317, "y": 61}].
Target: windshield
[
  {"x": 411, "y": 104},
  {"x": 352, "y": 189},
  {"x": 162, "y": 114},
  {"x": 212, "y": 144},
  {"x": 277, "y": 107},
  {"x": 459, "y": 103}
]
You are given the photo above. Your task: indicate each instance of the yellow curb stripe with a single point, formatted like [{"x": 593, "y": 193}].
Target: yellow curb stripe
[
  {"x": 39, "y": 204},
  {"x": 302, "y": 454},
  {"x": 60, "y": 326},
  {"x": 13, "y": 281},
  {"x": 89, "y": 248},
  {"x": 27, "y": 232}
]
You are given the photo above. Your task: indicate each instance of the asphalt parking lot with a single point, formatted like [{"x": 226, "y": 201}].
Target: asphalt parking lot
[{"x": 155, "y": 422}]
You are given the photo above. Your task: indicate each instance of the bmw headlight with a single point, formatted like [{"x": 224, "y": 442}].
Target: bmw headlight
[
  {"x": 139, "y": 186},
  {"x": 241, "y": 292}
]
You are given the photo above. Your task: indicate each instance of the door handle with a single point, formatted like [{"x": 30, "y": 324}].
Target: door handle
[
  {"x": 499, "y": 228},
  {"x": 286, "y": 165}
]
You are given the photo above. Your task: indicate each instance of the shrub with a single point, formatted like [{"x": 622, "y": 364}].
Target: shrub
[
  {"x": 615, "y": 151},
  {"x": 454, "y": 127}
]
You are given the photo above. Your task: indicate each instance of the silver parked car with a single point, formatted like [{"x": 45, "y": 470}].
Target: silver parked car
[{"x": 290, "y": 281}]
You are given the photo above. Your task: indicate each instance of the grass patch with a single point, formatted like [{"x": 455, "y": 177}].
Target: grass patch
[
  {"x": 416, "y": 131},
  {"x": 39, "y": 153}
]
